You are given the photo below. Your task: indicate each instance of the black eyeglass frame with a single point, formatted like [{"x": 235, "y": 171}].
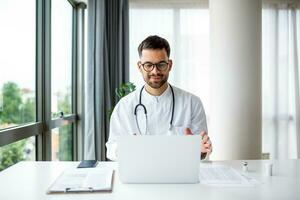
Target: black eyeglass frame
[{"x": 155, "y": 65}]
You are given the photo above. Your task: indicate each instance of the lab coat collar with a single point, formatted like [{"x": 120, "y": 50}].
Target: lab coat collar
[{"x": 148, "y": 97}]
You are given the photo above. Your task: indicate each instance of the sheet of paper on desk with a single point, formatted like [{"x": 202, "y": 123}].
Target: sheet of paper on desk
[
  {"x": 221, "y": 175},
  {"x": 83, "y": 179}
]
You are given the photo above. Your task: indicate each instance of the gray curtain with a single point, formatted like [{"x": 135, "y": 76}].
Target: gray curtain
[{"x": 107, "y": 68}]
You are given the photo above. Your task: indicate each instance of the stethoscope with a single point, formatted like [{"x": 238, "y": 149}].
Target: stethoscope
[{"x": 145, "y": 110}]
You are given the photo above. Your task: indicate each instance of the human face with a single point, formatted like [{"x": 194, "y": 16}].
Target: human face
[{"x": 155, "y": 78}]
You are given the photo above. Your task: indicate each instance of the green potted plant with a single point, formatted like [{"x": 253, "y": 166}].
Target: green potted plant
[{"x": 122, "y": 91}]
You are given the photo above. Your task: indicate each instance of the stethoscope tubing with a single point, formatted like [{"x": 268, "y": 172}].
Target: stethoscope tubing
[{"x": 145, "y": 110}]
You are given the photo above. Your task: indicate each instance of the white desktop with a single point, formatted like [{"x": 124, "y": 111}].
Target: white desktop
[{"x": 30, "y": 181}]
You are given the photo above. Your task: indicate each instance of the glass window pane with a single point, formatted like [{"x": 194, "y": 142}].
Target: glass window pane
[
  {"x": 62, "y": 143},
  {"x": 17, "y": 62},
  {"x": 61, "y": 57},
  {"x": 17, "y": 151}
]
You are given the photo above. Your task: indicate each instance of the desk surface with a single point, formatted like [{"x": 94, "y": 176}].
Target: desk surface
[{"x": 30, "y": 181}]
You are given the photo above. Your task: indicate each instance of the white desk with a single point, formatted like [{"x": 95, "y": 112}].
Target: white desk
[{"x": 30, "y": 180}]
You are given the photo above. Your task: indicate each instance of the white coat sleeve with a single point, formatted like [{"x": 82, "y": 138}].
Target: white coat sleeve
[
  {"x": 115, "y": 129},
  {"x": 199, "y": 122},
  {"x": 198, "y": 118}
]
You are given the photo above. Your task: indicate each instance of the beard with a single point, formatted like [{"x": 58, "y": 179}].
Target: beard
[{"x": 156, "y": 81}]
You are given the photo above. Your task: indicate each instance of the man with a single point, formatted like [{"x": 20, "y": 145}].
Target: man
[{"x": 157, "y": 108}]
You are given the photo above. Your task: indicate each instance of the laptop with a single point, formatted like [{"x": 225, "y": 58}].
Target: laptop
[{"x": 159, "y": 159}]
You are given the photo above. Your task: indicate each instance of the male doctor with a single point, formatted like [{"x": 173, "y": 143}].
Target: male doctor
[{"x": 158, "y": 107}]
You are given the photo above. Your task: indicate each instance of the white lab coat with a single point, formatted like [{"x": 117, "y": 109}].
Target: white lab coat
[{"x": 188, "y": 112}]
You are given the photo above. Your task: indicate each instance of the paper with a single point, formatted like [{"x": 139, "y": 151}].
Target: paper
[
  {"x": 221, "y": 175},
  {"x": 83, "y": 179}
]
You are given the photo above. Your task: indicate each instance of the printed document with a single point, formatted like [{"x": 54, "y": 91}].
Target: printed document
[{"x": 221, "y": 175}]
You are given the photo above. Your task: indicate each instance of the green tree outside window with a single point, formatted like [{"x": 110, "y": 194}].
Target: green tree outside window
[{"x": 14, "y": 112}]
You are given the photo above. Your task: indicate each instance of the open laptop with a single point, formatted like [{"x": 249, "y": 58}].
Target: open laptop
[{"x": 159, "y": 159}]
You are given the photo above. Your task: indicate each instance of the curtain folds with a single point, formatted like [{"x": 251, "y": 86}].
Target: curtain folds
[
  {"x": 281, "y": 113},
  {"x": 107, "y": 68}
]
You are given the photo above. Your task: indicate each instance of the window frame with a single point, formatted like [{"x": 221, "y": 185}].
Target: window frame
[{"x": 44, "y": 124}]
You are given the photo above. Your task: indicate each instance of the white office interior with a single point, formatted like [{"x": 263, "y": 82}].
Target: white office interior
[{"x": 63, "y": 61}]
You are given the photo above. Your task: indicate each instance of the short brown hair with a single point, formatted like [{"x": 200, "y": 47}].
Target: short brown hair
[{"x": 154, "y": 42}]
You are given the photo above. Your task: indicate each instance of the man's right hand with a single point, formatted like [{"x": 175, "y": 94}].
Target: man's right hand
[{"x": 206, "y": 147}]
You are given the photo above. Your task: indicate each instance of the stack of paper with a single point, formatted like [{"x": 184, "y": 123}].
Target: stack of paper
[
  {"x": 220, "y": 175},
  {"x": 83, "y": 180}
]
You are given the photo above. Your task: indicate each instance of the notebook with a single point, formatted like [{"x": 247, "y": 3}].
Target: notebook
[
  {"x": 159, "y": 159},
  {"x": 83, "y": 180}
]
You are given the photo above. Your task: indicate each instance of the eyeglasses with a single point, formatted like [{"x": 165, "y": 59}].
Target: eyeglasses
[{"x": 161, "y": 66}]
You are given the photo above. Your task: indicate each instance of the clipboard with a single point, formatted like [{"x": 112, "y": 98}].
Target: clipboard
[{"x": 83, "y": 180}]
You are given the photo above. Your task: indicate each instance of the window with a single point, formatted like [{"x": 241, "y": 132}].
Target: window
[
  {"x": 280, "y": 74},
  {"x": 17, "y": 151},
  {"x": 37, "y": 68},
  {"x": 62, "y": 143},
  {"x": 17, "y": 92},
  {"x": 61, "y": 77},
  {"x": 1, "y": 101},
  {"x": 61, "y": 57}
]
